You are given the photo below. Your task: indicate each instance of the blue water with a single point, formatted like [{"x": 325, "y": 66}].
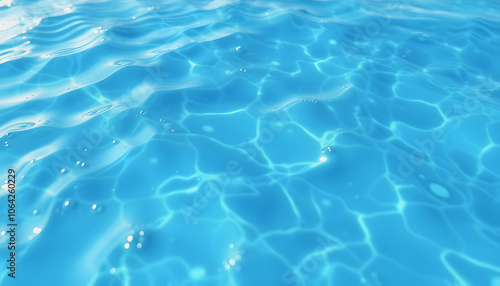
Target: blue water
[{"x": 257, "y": 143}]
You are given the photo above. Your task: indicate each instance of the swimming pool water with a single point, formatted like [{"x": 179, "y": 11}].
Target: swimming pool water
[{"x": 248, "y": 142}]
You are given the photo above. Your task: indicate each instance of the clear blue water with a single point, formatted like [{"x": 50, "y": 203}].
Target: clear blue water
[{"x": 256, "y": 143}]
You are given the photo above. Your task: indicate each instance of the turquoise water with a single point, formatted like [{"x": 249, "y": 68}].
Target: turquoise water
[{"x": 251, "y": 142}]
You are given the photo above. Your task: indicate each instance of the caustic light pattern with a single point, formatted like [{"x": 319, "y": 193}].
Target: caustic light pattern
[{"x": 251, "y": 142}]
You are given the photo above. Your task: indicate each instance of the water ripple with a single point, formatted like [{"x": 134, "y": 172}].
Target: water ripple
[{"x": 334, "y": 140}]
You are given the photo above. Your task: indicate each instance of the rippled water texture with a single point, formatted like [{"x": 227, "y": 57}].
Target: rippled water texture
[{"x": 255, "y": 143}]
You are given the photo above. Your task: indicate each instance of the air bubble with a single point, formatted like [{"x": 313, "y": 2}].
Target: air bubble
[
  {"x": 439, "y": 190},
  {"x": 326, "y": 150},
  {"x": 95, "y": 208}
]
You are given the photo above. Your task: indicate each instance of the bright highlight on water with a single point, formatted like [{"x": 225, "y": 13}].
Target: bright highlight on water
[{"x": 242, "y": 142}]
